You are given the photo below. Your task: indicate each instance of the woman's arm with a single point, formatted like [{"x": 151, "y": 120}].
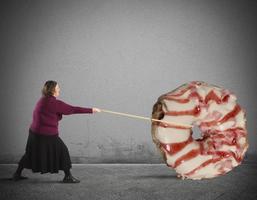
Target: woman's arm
[{"x": 66, "y": 109}]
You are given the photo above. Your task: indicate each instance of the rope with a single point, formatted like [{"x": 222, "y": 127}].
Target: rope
[{"x": 145, "y": 118}]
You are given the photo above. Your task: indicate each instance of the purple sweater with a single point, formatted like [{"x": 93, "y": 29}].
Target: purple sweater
[{"x": 48, "y": 112}]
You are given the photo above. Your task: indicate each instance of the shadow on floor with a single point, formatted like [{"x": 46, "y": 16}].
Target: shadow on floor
[
  {"x": 157, "y": 176},
  {"x": 29, "y": 181}
]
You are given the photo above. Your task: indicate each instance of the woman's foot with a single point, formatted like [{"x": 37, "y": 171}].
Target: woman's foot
[
  {"x": 18, "y": 177},
  {"x": 70, "y": 179}
]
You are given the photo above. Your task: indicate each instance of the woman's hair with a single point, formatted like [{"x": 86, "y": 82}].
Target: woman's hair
[{"x": 49, "y": 88}]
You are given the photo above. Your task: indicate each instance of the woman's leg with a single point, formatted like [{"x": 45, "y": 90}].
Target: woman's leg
[
  {"x": 66, "y": 163},
  {"x": 17, "y": 175},
  {"x": 67, "y": 172}
]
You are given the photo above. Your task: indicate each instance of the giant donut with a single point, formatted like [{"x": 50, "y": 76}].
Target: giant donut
[{"x": 220, "y": 119}]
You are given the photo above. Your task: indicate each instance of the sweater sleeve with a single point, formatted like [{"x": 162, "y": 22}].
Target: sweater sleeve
[{"x": 66, "y": 109}]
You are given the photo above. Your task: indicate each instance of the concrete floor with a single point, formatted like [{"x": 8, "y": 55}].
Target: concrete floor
[{"x": 128, "y": 181}]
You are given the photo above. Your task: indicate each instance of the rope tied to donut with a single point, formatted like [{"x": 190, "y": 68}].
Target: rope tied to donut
[{"x": 146, "y": 118}]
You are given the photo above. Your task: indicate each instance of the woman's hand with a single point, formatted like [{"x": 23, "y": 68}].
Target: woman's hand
[{"x": 96, "y": 110}]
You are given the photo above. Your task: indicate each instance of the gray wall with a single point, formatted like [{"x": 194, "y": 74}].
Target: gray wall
[{"x": 119, "y": 55}]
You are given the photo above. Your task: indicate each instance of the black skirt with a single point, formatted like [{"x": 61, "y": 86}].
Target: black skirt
[{"x": 45, "y": 154}]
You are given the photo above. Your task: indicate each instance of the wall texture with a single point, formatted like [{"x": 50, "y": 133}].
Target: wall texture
[{"x": 119, "y": 55}]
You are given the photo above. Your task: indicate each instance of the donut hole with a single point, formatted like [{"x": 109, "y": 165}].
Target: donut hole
[{"x": 196, "y": 133}]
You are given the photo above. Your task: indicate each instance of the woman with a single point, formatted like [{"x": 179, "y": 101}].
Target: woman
[{"x": 45, "y": 151}]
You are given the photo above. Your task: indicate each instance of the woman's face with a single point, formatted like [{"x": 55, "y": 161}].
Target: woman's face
[{"x": 57, "y": 91}]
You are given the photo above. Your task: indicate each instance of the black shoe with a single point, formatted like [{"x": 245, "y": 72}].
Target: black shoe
[
  {"x": 70, "y": 179},
  {"x": 18, "y": 177}
]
